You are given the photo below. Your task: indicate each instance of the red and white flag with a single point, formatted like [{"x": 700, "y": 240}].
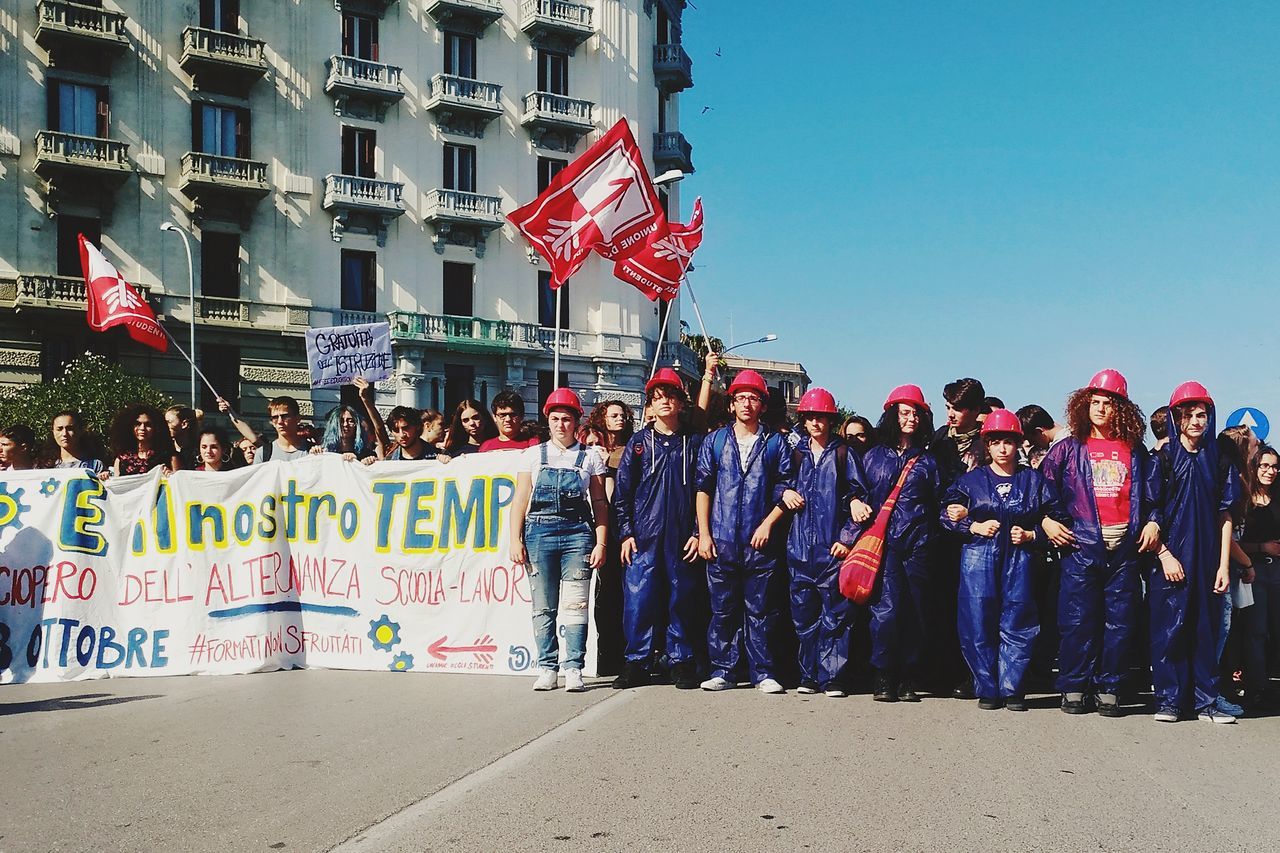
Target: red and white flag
[
  {"x": 658, "y": 269},
  {"x": 112, "y": 301},
  {"x": 603, "y": 201}
]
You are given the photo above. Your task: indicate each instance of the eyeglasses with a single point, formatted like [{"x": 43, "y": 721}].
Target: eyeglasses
[
  {"x": 1268, "y": 466},
  {"x": 746, "y": 398},
  {"x": 282, "y": 416}
]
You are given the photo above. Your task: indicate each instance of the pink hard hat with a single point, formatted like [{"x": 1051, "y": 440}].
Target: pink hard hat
[
  {"x": 817, "y": 401},
  {"x": 1111, "y": 381},
  {"x": 910, "y": 394},
  {"x": 1002, "y": 420},
  {"x": 1190, "y": 392}
]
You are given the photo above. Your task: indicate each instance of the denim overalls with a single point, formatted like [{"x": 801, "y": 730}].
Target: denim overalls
[{"x": 558, "y": 536}]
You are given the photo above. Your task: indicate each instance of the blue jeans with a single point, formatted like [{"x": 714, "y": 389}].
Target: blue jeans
[{"x": 559, "y": 580}]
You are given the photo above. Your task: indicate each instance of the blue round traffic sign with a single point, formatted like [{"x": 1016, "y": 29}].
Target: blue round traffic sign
[{"x": 1253, "y": 418}]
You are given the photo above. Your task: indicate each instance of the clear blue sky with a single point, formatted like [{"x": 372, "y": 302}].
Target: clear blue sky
[{"x": 1021, "y": 192}]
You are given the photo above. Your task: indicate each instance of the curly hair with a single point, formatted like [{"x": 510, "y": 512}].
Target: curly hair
[
  {"x": 889, "y": 432},
  {"x": 1130, "y": 424},
  {"x": 596, "y": 420},
  {"x": 122, "y": 440}
]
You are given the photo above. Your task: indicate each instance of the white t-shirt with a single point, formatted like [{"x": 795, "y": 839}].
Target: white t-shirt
[
  {"x": 592, "y": 461},
  {"x": 745, "y": 443}
]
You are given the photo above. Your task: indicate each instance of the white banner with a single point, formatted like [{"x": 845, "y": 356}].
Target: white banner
[
  {"x": 338, "y": 354},
  {"x": 318, "y": 563}
]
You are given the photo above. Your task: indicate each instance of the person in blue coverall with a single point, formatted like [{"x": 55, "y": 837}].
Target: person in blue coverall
[
  {"x": 994, "y": 510},
  {"x": 828, "y": 478},
  {"x": 898, "y": 614},
  {"x": 743, "y": 469},
  {"x": 1109, "y": 489},
  {"x": 1185, "y": 588},
  {"x": 664, "y": 594}
]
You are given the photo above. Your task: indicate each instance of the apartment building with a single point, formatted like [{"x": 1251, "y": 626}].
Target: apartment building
[{"x": 335, "y": 161}]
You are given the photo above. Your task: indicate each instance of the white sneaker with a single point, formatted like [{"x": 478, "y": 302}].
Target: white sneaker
[
  {"x": 806, "y": 690},
  {"x": 770, "y": 686},
  {"x": 835, "y": 693},
  {"x": 1167, "y": 715},
  {"x": 718, "y": 683},
  {"x": 546, "y": 679},
  {"x": 1213, "y": 715},
  {"x": 573, "y": 682}
]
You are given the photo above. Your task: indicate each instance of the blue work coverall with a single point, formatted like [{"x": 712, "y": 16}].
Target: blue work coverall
[
  {"x": 653, "y": 502},
  {"x": 898, "y": 615},
  {"x": 744, "y": 616},
  {"x": 820, "y": 613},
  {"x": 997, "y": 618},
  {"x": 1186, "y": 617},
  {"x": 1099, "y": 594}
]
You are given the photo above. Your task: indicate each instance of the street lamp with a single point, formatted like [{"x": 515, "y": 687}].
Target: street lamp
[
  {"x": 669, "y": 176},
  {"x": 191, "y": 283},
  {"x": 766, "y": 339}
]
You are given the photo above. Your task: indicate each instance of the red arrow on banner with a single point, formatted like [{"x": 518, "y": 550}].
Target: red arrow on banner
[
  {"x": 615, "y": 196},
  {"x": 440, "y": 651}
]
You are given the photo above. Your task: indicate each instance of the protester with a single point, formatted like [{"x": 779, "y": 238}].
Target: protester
[
  {"x": 1160, "y": 427},
  {"x": 471, "y": 426},
  {"x": 830, "y": 483},
  {"x": 1040, "y": 431},
  {"x": 72, "y": 447},
  {"x": 215, "y": 451},
  {"x": 664, "y": 589},
  {"x": 858, "y": 433},
  {"x": 290, "y": 445},
  {"x": 1108, "y": 488},
  {"x": 742, "y": 474},
  {"x": 559, "y": 499},
  {"x": 347, "y": 433},
  {"x": 1261, "y": 541},
  {"x": 248, "y": 450},
  {"x": 183, "y": 423},
  {"x": 433, "y": 428},
  {"x": 1236, "y": 445},
  {"x": 405, "y": 425},
  {"x": 140, "y": 441},
  {"x": 1004, "y": 503},
  {"x": 616, "y": 423},
  {"x": 508, "y": 417},
  {"x": 898, "y": 607},
  {"x": 17, "y": 448}
]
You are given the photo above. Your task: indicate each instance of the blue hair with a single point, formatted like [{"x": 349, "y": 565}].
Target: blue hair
[{"x": 332, "y": 439}]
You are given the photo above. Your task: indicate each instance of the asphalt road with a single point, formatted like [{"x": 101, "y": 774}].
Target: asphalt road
[{"x": 352, "y": 761}]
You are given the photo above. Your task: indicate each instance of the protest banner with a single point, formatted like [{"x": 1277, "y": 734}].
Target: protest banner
[
  {"x": 317, "y": 563},
  {"x": 338, "y": 354}
]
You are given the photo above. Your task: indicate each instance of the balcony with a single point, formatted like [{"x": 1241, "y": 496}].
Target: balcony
[
  {"x": 71, "y": 26},
  {"x": 377, "y": 7},
  {"x": 462, "y": 218},
  {"x": 672, "y": 67},
  {"x": 556, "y": 23},
  {"x": 361, "y": 84},
  {"x": 366, "y": 204},
  {"x": 67, "y": 152},
  {"x": 223, "y": 186},
  {"x": 680, "y": 357},
  {"x": 672, "y": 151},
  {"x": 468, "y": 16},
  {"x": 557, "y": 121},
  {"x": 36, "y": 290},
  {"x": 472, "y": 334},
  {"x": 462, "y": 105},
  {"x": 212, "y": 57},
  {"x": 222, "y": 309}
]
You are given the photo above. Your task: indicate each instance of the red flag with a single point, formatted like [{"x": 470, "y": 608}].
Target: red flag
[
  {"x": 604, "y": 201},
  {"x": 658, "y": 269},
  {"x": 112, "y": 301}
]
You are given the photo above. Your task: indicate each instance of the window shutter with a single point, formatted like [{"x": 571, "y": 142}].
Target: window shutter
[
  {"x": 197, "y": 127},
  {"x": 54, "y": 117},
  {"x": 104, "y": 112},
  {"x": 348, "y": 37},
  {"x": 242, "y": 134},
  {"x": 373, "y": 47}
]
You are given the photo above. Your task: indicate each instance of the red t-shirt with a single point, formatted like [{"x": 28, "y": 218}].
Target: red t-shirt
[
  {"x": 1109, "y": 460},
  {"x": 499, "y": 444}
]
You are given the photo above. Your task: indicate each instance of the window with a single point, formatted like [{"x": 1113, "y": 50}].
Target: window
[
  {"x": 460, "y": 167},
  {"x": 459, "y": 284},
  {"x": 460, "y": 55},
  {"x": 221, "y": 15},
  {"x": 220, "y": 363},
  {"x": 359, "y": 281},
  {"x": 220, "y": 265},
  {"x": 664, "y": 103},
  {"x": 459, "y": 385},
  {"x": 547, "y": 303},
  {"x": 548, "y": 168},
  {"x": 359, "y": 149},
  {"x": 79, "y": 109},
  {"x": 222, "y": 131},
  {"x": 69, "y": 230},
  {"x": 360, "y": 37},
  {"x": 553, "y": 72}
]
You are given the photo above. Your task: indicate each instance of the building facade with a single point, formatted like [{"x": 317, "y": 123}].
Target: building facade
[
  {"x": 789, "y": 377},
  {"x": 336, "y": 161}
]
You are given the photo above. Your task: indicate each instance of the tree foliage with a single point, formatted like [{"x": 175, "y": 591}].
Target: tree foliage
[{"x": 91, "y": 385}]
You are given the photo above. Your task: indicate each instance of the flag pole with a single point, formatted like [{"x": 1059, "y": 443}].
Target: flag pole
[
  {"x": 662, "y": 333},
  {"x": 194, "y": 368},
  {"x": 698, "y": 311},
  {"x": 555, "y": 369}
]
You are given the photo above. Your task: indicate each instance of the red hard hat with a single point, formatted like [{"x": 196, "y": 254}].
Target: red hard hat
[
  {"x": 1190, "y": 392},
  {"x": 817, "y": 401},
  {"x": 749, "y": 380},
  {"x": 665, "y": 376},
  {"x": 562, "y": 398},
  {"x": 906, "y": 394},
  {"x": 1111, "y": 381},
  {"x": 1002, "y": 420}
]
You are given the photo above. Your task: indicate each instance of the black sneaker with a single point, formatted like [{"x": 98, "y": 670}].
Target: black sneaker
[
  {"x": 907, "y": 692},
  {"x": 1109, "y": 709},
  {"x": 1074, "y": 706},
  {"x": 633, "y": 674},
  {"x": 685, "y": 676},
  {"x": 990, "y": 704},
  {"x": 1015, "y": 703},
  {"x": 964, "y": 690},
  {"x": 884, "y": 690}
]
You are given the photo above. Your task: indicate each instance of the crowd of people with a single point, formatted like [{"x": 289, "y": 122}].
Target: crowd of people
[{"x": 1005, "y": 545}]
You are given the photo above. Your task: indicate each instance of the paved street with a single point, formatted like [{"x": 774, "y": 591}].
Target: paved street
[{"x": 316, "y": 760}]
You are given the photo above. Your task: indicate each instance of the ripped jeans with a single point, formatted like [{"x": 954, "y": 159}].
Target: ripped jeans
[{"x": 559, "y": 580}]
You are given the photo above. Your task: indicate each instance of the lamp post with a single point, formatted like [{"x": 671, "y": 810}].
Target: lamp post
[
  {"x": 191, "y": 283},
  {"x": 766, "y": 339}
]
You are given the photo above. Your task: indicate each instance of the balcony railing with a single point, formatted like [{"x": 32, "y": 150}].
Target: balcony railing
[
  {"x": 672, "y": 67},
  {"x": 478, "y": 13},
  {"x": 371, "y": 193},
  {"x": 476, "y": 330},
  {"x": 349, "y": 75},
  {"x": 464, "y": 93},
  {"x": 458, "y": 206},
  {"x": 358, "y": 318},
  {"x": 90, "y": 152},
  {"x": 61, "y": 20},
  {"x": 206, "y": 50},
  {"x": 51, "y": 288},
  {"x": 672, "y": 151},
  {"x": 556, "y": 19},
  {"x": 545, "y": 107},
  {"x": 222, "y": 309},
  {"x": 232, "y": 173},
  {"x": 680, "y": 356}
]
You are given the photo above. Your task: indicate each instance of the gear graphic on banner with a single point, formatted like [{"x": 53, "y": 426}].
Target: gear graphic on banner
[{"x": 11, "y": 507}]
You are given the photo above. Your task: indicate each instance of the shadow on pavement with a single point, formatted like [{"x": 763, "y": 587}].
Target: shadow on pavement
[{"x": 68, "y": 703}]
